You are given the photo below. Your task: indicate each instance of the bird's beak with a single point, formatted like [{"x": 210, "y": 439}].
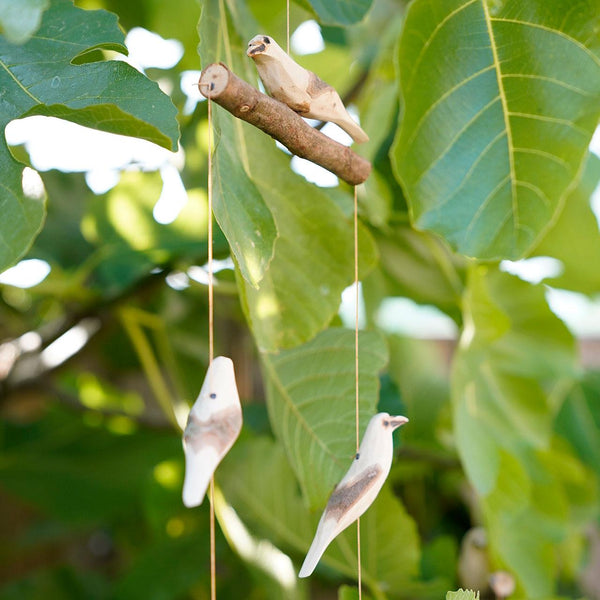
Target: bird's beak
[
  {"x": 395, "y": 422},
  {"x": 255, "y": 49}
]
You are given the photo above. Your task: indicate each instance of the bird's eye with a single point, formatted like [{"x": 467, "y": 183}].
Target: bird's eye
[
  {"x": 213, "y": 395},
  {"x": 386, "y": 423},
  {"x": 357, "y": 456},
  {"x": 266, "y": 40}
]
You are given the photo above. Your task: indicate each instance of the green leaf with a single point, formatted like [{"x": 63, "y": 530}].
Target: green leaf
[
  {"x": 579, "y": 420},
  {"x": 312, "y": 265},
  {"x": 19, "y": 21},
  {"x": 310, "y": 396},
  {"x": 422, "y": 268},
  {"x": 341, "y": 12},
  {"x": 462, "y": 595},
  {"x": 514, "y": 364},
  {"x": 514, "y": 355},
  {"x": 419, "y": 369},
  {"x": 238, "y": 205},
  {"x": 579, "y": 253},
  {"x": 40, "y": 78},
  {"x": 494, "y": 136},
  {"x": 259, "y": 484}
]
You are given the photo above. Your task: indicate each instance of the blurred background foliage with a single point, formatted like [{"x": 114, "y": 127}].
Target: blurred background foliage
[{"x": 499, "y": 467}]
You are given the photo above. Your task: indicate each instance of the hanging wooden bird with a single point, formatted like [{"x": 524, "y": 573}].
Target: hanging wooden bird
[
  {"x": 300, "y": 89},
  {"x": 359, "y": 487},
  {"x": 213, "y": 425}
]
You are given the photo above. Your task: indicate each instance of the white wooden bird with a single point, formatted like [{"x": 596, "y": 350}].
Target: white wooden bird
[
  {"x": 299, "y": 88},
  {"x": 359, "y": 487},
  {"x": 213, "y": 425}
]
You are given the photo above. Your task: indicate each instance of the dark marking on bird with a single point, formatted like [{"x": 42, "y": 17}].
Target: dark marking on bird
[
  {"x": 218, "y": 431},
  {"x": 316, "y": 86},
  {"x": 345, "y": 497},
  {"x": 266, "y": 40},
  {"x": 258, "y": 49},
  {"x": 357, "y": 455},
  {"x": 213, "y": 395}
]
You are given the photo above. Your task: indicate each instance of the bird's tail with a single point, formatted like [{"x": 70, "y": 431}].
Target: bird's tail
[
  {"x": 197, "y": 478},
  {"x": 353, "y": 129},
  {"x": 319, "y": 545}
]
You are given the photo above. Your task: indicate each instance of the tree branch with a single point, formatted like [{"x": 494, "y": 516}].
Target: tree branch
[{"x": 243, "y": 101}]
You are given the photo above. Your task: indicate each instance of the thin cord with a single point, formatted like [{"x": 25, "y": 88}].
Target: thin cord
[
  {"x": 287, "y": 15},
  {"x": 211, "y": 351},
  {"x": 356, "y": 317},
  {"x": 357, "y": 418}
]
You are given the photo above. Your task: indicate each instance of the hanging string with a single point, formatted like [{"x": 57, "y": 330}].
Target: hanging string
[
  {"x": 211, "y": 350},
  {"x": 287, "y": 17},
  {"x": 356, "y": 387}
]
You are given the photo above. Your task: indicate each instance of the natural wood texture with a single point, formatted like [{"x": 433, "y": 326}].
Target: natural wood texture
[{"x": 222, "y": 86}]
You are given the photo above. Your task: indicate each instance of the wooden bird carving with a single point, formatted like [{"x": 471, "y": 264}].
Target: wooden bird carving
[
  {"x": 299, "y": 88},
  {"x": 359, "y": 487},
  {"x": 213, "y": 425}
]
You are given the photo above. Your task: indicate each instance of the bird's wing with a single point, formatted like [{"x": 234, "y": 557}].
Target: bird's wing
[
  {"x": 348, "y": 499},
  {"x": 205, "y": 444},
  {"x": 284, "y": 84},
  {"x": 326, "y": 105}
]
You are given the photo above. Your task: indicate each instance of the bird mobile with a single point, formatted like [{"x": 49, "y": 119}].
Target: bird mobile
[
  {"x": 213, "y": 425},
  {"x": 216, "y": 419},
  {"x": 359, "y": 487}
]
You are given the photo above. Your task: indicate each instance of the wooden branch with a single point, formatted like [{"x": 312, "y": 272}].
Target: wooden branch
[{"x": 243, "y": 101}]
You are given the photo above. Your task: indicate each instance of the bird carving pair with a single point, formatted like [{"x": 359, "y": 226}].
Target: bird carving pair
[
  {"x": 214, "y": 423},
  {"x": 215, "y": 419}
]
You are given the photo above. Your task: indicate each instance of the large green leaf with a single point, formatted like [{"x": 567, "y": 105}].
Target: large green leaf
[
  {"x": 40, "y": 78},
  {"x": 421, "y": 267},
  {"x": 497, "y": 120},
  {"x": 239, "y": 207},
  {"x": 313, "y": 264},
  {"x": 579, "y": 253},
  {"x": 419, "y": 369},
  {"x": 510, "y": 374},
  {"x": 514, "y": 353},
  {"x": 299, "y": 289},
  {"x": 260, "y": 485},
  {"x": 579, "y": 419},
  {"x": 310, "y": 396}
]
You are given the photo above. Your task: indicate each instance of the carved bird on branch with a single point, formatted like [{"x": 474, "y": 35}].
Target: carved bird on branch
[{"x": 300, "y": 89}]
